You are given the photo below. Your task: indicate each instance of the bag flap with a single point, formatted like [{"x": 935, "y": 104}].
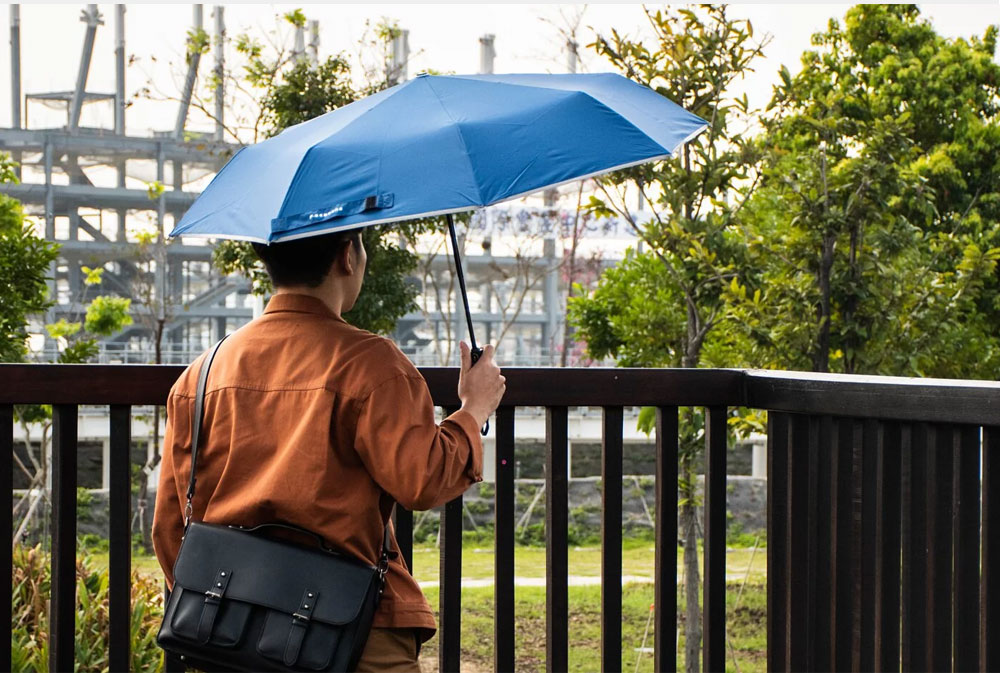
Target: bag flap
[{"x": 273, "y": 574}]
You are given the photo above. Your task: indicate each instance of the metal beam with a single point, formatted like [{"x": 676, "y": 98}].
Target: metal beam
[
  {"x": 193, "y": 59},
  {"x": 220, "y": 72},
  {"x": 180, "y": 315},
  {"x": 197, "y": 152},
  {"x": 218, "y": 292},
  {"x": 175, "y": 251},
  {"x": 486, "y": 54},
  {"x": 120, "y": 69},
  {"x": 92, "y": 18},
  {"x": 313, "y": 50},
  {"x": 299, "y": 49},
  {"x": 15, "y": 66},
  {"x": 62, "y": 197},
  {"x": 399, "y": 57}
]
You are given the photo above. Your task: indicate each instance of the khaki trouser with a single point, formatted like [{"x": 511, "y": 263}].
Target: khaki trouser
[{"x": 390, "y": 651}]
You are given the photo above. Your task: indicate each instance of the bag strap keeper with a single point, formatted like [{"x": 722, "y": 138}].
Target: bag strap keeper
[
  {"x": 213, "y": 598},
  {"x": 300, "y": 620}
]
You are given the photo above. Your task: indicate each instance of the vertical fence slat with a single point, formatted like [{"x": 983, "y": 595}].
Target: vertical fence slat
[
  {"x": 966, "y": 550},
  {"x": 714, "y": 612},
  {"x": 989, "y": 623},
  {"x": 887, "y": 567},
  {"x": 811, "y": 541},
  {"x": 120, "y": 542},
  {"x": 777, "y": 541},
  {"x": 503, "y": 573},
  {"x": 6, "y": 522},
  {"x": 797, "y": 561},
  {"x": 402, "y": 522},
  {"x": 866, "y": 504},
  {"x": 939, "y": 571},
  {"x": 825, "y": 459},
  {"x": 450, "y": 597},
  {"x": 858, "y": 550},
  {"x": 665, "y": 578},
  {"x": 844, "y": 544},
  {"x": 914, "y": 520},
  {"x": 556, "y": 549},
  {"x": 611, "y": 540},
  {"x": 62, "y": 611}
]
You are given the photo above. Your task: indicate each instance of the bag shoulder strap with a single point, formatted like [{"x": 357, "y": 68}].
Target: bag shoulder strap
[
  {"x": 196, "y": 421},
  {"x": 196, "y": 424}
]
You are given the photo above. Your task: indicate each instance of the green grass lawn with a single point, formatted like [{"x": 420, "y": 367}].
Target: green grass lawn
[
  {"x": 746, "y": 621},
  {"x": 637, "y": 560},
  {"x": 746, "y": 625}
]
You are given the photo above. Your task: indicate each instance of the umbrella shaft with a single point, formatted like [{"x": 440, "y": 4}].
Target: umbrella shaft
[{"x": 476, "y": 351}]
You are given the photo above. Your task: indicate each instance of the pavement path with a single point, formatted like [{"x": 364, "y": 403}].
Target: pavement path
[{"x": 573, "y": 581}]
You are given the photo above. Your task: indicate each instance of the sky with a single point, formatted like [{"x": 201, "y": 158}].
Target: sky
[{"x": 444, "y": 37}]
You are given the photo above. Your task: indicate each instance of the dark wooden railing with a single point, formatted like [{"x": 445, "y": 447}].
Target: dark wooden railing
[{"x": 880, "y": 504}]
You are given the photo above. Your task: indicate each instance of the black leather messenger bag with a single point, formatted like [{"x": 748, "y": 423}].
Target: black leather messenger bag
[{"x": 244, "y": 602}]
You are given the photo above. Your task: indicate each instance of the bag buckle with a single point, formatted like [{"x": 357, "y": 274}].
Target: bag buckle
[
  {"x": 308, "y": 602},
  {"x": 213, "y": 594}
]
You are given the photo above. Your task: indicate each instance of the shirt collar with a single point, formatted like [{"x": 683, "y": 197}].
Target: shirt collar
[{"x": 299, "y": 303}]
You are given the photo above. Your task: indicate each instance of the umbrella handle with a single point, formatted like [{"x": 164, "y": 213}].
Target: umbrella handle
[{"x": 475, "y": 350}]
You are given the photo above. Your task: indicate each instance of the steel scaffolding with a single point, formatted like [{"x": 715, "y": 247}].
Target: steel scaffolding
[{"x": 90, "y": 186}]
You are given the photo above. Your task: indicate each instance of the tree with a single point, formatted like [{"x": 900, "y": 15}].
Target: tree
[
  {"x": 24, "y": 267},
  {"x": 875, "y": 235},
  {"x": 25, "y": 260},
  {"x": 660, "y": 307}
]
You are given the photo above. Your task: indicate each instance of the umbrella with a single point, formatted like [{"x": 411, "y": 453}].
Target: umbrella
[{"x": 436, "y": 145}]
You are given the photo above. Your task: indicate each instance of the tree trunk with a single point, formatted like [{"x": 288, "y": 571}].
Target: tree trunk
[
  {"x": 141, "y": 503},
  {"x": 692, "y": 576},
  {"x": 851, "y": 302},
  {"x": 821, "y": 356},
  {"x": 692, "y": 342},
  {"x": 570, "y": 278}
]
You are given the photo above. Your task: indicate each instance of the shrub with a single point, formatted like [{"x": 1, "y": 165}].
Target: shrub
[{"x": 30, "y": 627}]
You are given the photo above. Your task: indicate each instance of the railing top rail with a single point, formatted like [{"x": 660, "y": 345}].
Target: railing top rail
[
  {"x": 932, "y": 400},
  {"x": 526, "y": 386},
  {"x": 885, "y": 397}
]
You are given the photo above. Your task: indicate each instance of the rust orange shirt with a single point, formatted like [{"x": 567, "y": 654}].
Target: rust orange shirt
[{"x": 311, "y": 421}]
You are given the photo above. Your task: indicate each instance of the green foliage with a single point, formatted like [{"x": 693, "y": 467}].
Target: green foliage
[
  {"x": 30, "y": 628},
  {"x": 659, "y": 308},
  {"x": 198, "y": 42},
  {"x": 238, "y": 257},
  {"x": 306, "y": 91},
  {"x": 84, "y": 501},
  {"x": 91, "y": 542},
  {"x": 876, "y": 234},
  {"x": 155, "y": 190},
  {"x": 79, "y": 351},
  {"x": 107, "y": 315},
  {"x": 62, "y": 328},
  {"x": 92, "y": 276},
  {"x": 24, "y": 266},
  {"x": 296, "y": 17}
]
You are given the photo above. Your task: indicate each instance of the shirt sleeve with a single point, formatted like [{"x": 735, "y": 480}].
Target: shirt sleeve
[{"x": 419, "y": 463}]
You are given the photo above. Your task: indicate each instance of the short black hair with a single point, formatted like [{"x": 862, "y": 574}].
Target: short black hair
[{"x": 304, "y": 261}]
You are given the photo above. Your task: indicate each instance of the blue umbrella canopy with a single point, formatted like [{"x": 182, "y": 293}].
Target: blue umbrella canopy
[{"x": 436, "y": 145}]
